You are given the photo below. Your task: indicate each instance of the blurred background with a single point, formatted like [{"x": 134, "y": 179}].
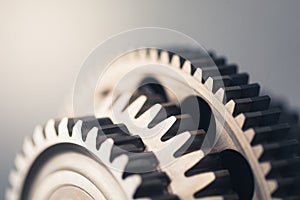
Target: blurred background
[{"x": 43, "y": 44}]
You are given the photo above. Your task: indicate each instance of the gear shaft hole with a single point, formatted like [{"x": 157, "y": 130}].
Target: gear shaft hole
[{"x": 240, "y": 173}]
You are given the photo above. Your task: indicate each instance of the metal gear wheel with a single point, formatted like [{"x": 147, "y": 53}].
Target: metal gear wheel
[
  {"x": 260, "y": 150},
  {"x": 205, "y": 134},
  {"x": 85, "y": 158}
]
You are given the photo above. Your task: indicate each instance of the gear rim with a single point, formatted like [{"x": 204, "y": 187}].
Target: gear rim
[
  {"x": 243, "y": 135},
  {"x": 133, "y": 186}
]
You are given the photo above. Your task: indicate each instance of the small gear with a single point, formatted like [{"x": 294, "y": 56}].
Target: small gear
[{"x": 71, "y": 158}]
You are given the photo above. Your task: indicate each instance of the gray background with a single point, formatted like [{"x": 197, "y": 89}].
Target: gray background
[{"x": 43, "y": 43}]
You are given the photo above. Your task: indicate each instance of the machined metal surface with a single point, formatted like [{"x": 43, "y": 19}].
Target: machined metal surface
[
  {"x": 241, "y": 116},
  {"x": 168, "y": 126}
]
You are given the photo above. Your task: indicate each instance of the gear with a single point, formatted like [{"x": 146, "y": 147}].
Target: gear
[
  {"x": 71, "y": 158},
  {"x": 247, "y": 125},
  {"x": 186, "y": 126}
]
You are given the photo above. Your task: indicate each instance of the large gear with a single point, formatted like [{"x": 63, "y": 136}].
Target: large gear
[
  {"x": 250, "y": 126},
  {"x": 191, "y": 127}
]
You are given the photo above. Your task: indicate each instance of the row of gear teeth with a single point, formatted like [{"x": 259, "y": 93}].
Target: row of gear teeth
[
  {"x": 110, "y": 143},
  {"x": 176, "y": 142},
  {"x": 253, "y": 114},
  {"x": 161, "y": 159}
]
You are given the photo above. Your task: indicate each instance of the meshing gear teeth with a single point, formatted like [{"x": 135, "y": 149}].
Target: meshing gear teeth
[
  {"x": 259, "y": 144},
  {"x": 99, "y": 141},
  {"x": 253, "y": 128},
  {"x": 177, "y": 153}
]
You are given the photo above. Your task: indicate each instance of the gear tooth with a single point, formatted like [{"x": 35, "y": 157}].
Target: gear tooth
[
  {"x": 287, "y": 187},
  {"x": 258, "y": 151},
  {"x": 13, "y": 177},
  {"x": 165, "y": 57},
  {"x": 91, "y": 138},
  {"x": 90, "y": 122},
  {"x": 10, "y": 195},
  {"x": 106, "y": 106},
  {"x": 136, "y": 106},
  {"x": 147, "y": 117},
  {"x": 251, "y": 104},
  {"x": 154, "y": 185},
  {"x": 260, "y": 118},
  {"x": 152, "y": 99},
  {"x": 198, "y": 74},
  {"x": 242, "y": 91},
  {"x": 122, "y": 139},
  {"x": 142, "y": 53},
  {"x": 63, "y": 128},
  {"x": 265, "y": 167},
  {"x": 114, "y": 128},
  {"x": 284, "y": 168},
  {"x": 220, "y": 94},
  {"x": 131, "y": 183},
  {"x": 163, "y": 127},
  {"x": 20, "y": 161},
  {"x": 219, "y": 61},
  {"x": 187, "y": 67},
  {"x": 193, "y": 144},
  {"x": 270, "y": 133},
  {"x": 28, "y": 147},
  {"x": 50, "y": 132},
  {"x": 239, "y": 79},
  {"x": 209, "y": 83},
  {"x": 173, "y": 145},
  {"x": 220, "y": 82},
  {"x": 240, "y": 119},
  {"x": 279, "y": 150},
  {"x": 230, "y": 106},
  {"x": 182, "y": 124},
  {"x": 151, "y": 187},
  {"x": 221, "y": 185},
  {"x": 38, "y": 135},
  {"x": 77, "y": 130},
  {"x": 211, "y": 162},
  {"x": 205, "y": 179},
  {"x": 250, "y": 134},
  {"x": 167, "y": 110},
  {"x": 218, "y": 71},
  {"x": 272, "y": 185},
  {"x": 189, "y": 185},
  {"x": 289, "y": 197},
  {"x": 118, "y": 164},
  {"x": 106, "y": 150},
  {"x": 142, "y": 162},
  {"x": 121, "y": 103},
  {"x": 207, "y": 61},
  {"x": 153, "y": 54},
  {"x": 175, "y": 62},
  {"x": 187, "y": 161},
  {"x": 189, "y": 54}
]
